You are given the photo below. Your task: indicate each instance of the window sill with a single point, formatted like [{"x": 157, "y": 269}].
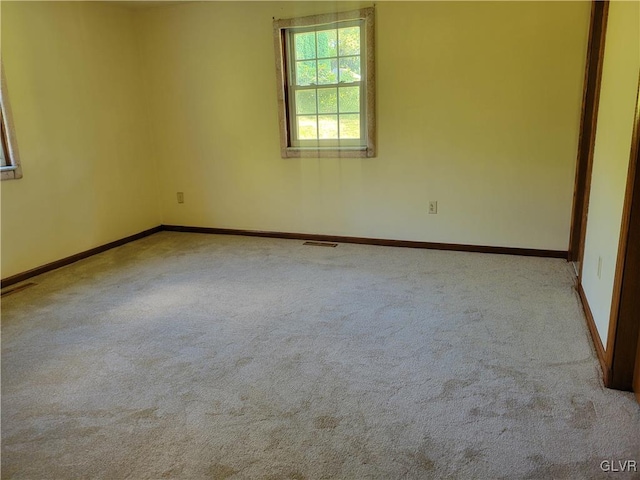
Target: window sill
[
  {"x": 342, "y": 152},
  {"x": 10, "y": 173}
]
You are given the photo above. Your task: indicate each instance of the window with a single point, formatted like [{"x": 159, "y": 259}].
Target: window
[
  {"x": 9, "y": 160},
  {"x": 326, "y": 94}
]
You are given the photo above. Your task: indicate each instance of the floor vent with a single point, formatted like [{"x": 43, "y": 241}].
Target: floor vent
[
  {"x": 17, "y": 289},
  {"x": 320, "y": 244}
]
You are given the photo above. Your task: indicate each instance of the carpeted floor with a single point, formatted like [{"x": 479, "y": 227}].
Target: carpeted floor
[{"x": 209, "y": 357}]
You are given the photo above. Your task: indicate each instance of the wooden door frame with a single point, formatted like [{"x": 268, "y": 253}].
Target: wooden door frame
[
  {"x": 621, "y": 358},
  {"x": 624, "y": 324},
  {"x": 588, "y": 123},
  {"x": 636, "y": 373}
]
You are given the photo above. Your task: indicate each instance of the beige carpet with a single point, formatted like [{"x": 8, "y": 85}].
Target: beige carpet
[{"x": 208, "y": 357}]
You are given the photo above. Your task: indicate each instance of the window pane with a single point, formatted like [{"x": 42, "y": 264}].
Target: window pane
[
  {"x": 306, "y": 101},
  {"x": 327, "y": 43},
  {"x": 350, "y": 126},
  {"x": 3, "y": 162},
  {"x": 349, "y": 41},
  {"x": 305, "y": 45},
  {"x": 307, "y": 127},
  {"x": 327, "y": 72},
  {"x": 306, "y": 73},
  {"x": 328, "y": 126},
  {"x": 349, "y": 99},
  {"x": 328, "y": 100},
  {"x": 350, "y": 69}
]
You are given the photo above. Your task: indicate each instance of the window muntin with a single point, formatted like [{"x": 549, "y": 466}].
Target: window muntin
[{"x": 326, "y": 84}]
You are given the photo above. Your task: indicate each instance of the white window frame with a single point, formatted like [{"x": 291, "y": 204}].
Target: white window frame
[
  {"x": 13, "y": 170},
  {"x": 284, "y": 29}
]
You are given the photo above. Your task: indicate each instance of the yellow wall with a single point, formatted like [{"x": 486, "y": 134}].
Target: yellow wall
[
  {"x": 117, "y": 109},
  {"x": 74, "y": 83},
  {"x": 611, "y": 157},
  {"x": 478, "y": 108}
]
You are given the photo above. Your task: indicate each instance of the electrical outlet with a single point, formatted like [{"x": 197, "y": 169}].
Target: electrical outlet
[
  {"x": 599, "y": 266},
  {"x": 180, "y": 196},
  {"x": 433, "y": 206}
]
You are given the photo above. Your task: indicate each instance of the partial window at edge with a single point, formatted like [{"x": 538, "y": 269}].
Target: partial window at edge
[{"x": 9, "y": 158}]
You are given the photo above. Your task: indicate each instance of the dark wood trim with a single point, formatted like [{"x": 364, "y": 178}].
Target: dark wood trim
[
  {"x": 595, "y": 336},
  {"x": 624, "y": 323},
  {"x": 20, "y": 277},
  {"x": 588, "y": 123},
  {"x": 19, "y": 288},
  {"x": 529, "y": 252},
  {"x": 636, "y": 374}
]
